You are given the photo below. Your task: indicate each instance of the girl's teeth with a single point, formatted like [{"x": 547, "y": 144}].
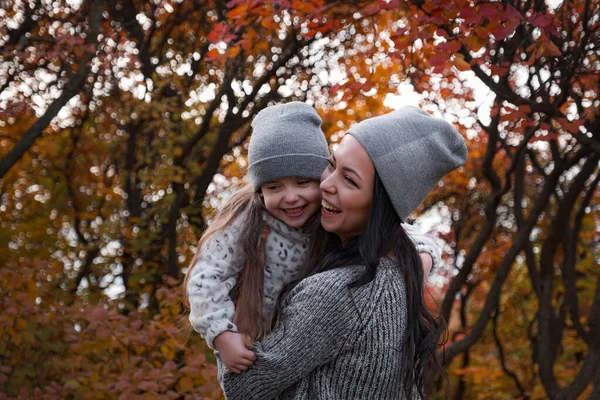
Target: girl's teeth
[{"x": 293, "y": 210}]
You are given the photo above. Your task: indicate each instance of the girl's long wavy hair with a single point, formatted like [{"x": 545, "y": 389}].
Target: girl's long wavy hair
[
  {"x": 248, "y": 292},
  {"x": 385, "y": 237}
]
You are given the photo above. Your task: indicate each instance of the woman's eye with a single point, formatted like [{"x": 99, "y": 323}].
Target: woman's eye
[
  {"x": 303, "y": 182},
  {"x": 330, "y": 164},
  {"x": 350, "y": 181}
]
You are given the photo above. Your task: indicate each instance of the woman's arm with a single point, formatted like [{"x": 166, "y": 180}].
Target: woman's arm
[{"x": 318, "y": 319}]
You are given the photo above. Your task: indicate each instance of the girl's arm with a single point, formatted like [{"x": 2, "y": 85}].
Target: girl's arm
[
  {"x": 425, "y": 244},
  {"x": 319, "y": 318},
  {"x": 213, "y": 276}
]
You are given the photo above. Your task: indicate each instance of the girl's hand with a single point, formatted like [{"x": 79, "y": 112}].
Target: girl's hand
[{"x": 233, "y": 351}]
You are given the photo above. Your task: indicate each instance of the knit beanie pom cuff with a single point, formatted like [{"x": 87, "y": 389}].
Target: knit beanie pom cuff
[{"x": 309, "y": 166}]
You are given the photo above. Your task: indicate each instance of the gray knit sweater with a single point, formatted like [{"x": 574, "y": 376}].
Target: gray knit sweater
[{"x": 332, "y": 342}]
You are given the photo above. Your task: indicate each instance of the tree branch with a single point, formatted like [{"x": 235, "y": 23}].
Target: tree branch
[
  {"x": 502, "y": 358},
  {"x": 502, "y": 272},
  {"x": 547, "y": 335},
  {"x": 72, "y": 87}
]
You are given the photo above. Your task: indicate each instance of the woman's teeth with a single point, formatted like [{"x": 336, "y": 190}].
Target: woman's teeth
[{"x": 330, "y": 208}]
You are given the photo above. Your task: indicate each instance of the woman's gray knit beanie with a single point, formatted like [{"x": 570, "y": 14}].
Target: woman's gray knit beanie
[
  {"x": 286, "y": 141},
  {"x": 411, "y": 151}
]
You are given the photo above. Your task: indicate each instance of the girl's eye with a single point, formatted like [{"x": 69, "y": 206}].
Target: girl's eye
[
  {"x": 272, "y": 187},
  {"x": 303, "y": 182},
  {"x": 330, "y": 164},
  {"x": 350, "y": 181}
]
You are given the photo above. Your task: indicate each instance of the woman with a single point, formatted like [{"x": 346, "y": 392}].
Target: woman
[{"x": 357, "y": 327}]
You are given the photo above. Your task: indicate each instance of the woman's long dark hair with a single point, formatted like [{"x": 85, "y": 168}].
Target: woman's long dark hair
[{"x": 385, "y": 237}]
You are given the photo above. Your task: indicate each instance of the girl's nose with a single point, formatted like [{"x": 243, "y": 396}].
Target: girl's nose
[{"x": 291, "y": 195}]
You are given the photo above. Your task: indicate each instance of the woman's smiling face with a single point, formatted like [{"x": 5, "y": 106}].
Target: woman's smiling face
[{"x": 347, "y": 189}]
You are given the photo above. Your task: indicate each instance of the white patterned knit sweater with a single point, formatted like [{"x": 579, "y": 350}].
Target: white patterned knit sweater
[{"x": 218, "y": 266}]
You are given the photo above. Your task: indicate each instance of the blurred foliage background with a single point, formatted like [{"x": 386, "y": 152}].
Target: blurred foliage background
[{"x": 124, "y": 123}]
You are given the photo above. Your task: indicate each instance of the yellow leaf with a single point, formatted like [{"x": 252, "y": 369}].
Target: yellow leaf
[
  {"x": 475, "y": 43},
  {"x": 238, "y": 12},
  {"x": 21, "y": 324},
  {"x": 552, "y": 48},
  {"x": 138, "y": 349},
  {"x": 460, "y": 63},
  {"x": 234, "y": 51},
  {"x": 185, "y": 384},
  {"x": 167, "y": 352}
]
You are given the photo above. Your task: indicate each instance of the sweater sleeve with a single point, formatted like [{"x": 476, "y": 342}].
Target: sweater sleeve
[
  {"x": 213, "y": 276},
  {"x": 319, "y": 317},
  {"x": 424, "y": 244}
]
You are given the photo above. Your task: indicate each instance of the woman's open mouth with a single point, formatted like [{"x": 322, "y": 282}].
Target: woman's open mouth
[{"x": 329, "y": 209}]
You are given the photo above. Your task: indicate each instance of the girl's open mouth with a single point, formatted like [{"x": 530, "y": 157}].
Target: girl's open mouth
[{"x": 293, "y": 212}]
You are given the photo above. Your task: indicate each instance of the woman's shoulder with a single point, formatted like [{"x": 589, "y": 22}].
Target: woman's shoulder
[
  {"x": 331, "y": 281},
  {"x": 389, "y": 273},
  {"x": 344, "y": 275},
  {"x": 339, "y": 279},
  {"x": 333, "y": 288}
]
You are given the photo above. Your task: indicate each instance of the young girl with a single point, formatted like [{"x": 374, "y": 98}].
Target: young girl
[{"x": 232, "y": 289}]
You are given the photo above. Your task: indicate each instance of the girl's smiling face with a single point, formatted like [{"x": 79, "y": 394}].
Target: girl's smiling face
[
  {"x": 292, "y": 200},
  {"x": 347, "y": 190}
]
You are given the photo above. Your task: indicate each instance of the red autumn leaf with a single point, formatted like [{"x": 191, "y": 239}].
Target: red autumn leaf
[
  {"x": 502, "y": 32},
  {"x": 438, "y": 59},
  {"x": 452, "y": 46},
  {"x": 371, "y": 9},
  {"x": 541, "y": 20},
  {"x": 511, "y": 13},
  {"x": 215, "y": 35},
  {"x": 469, "y": 15},
  {"x": 488, "y": 11},
  {"x": 441, "y": 32},
  {"x": 99, "y": 314},
  {"x": 389, "y": 4},
  {"x": 213, "y": 54}
]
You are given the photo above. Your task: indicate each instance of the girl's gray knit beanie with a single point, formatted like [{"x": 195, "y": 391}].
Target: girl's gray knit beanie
[
  {"x": 411, "y": 151},
  {"x": 286, "y": 141}
]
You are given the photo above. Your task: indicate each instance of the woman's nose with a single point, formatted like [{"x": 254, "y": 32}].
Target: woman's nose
[{"x": 327, "y": 185}]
